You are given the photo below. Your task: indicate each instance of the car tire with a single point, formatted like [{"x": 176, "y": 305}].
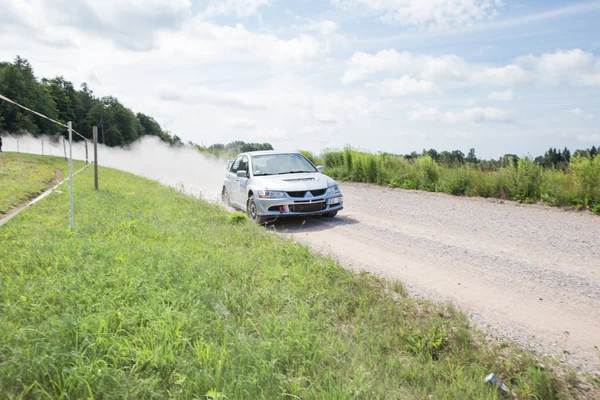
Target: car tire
[
  {"x": 330, "y": 214},
  {"x": 225, "y": 197},
  {"x": 252, "y": 212}
]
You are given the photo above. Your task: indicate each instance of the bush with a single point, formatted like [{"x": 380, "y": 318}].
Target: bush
[
  {"x": 428, "y": 172},
  {"x": 458, "y": 181},
  {"x": 586, "y": 174},
  {"x": 558, "y": 189},
  {"x": 333, "y": 159},
  {"x": 357, "y": 171},
  {"x": 528, "y": 180},
  {"x": 348, "y": 159},
  {"x": 311, "y": 157},
  {"x": 522, "y": 180},
  {"x": 371, "y": 170}
]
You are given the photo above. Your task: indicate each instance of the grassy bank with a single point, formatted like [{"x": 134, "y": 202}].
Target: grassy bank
[
  {"x": 577, "y": 186},
  {"x": 24, "y": 176},
  {"x": 158, "y": 295}
]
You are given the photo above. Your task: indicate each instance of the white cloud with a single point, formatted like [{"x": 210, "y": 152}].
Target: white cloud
[
  {"x": 242, "y": 123},
  {"x": 241, "y": 8},
  {"x": 589, "y": 138},
  {"x": 446, "y": 67},
  {"x": 457, "y": 135},
  {"x": 574, "y": 67},
  {"x": 506, "y": 95},
  {"x": 578, "y": 112},
  {"x": 200, "y": 41},
  {"x": 323, "y": 27},
  {"x": 129, "y": 24},
  {"x": 273, "y": 135},
  {"x": 205, "y": 95},
  {"x": 476, "y": 115},
  {"x": 402, "y": 87},
  {"x": 503, "y": 76},
  {"x": 330, "y": 108},
  {"x": 433, "y": 14}
]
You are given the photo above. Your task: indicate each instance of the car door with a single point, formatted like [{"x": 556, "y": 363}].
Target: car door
[
  {"x": 231, "y": 180},
  {"x": 242, "y": 183}
]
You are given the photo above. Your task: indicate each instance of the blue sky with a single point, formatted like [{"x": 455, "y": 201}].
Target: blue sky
[{"x": 503, "y": 76}]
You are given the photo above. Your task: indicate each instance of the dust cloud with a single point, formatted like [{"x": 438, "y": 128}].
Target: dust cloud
[{"x": 184, "y": 167}]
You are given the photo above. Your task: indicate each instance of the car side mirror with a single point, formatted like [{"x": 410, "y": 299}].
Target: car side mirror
[
  {"x": 320, "y": 168},
  {"x": 242, "y": 174}
]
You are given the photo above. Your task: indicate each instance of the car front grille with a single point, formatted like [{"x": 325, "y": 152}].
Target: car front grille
[
  {"x": 301, "y": 194},
  {"x": 308, "y": 207}
]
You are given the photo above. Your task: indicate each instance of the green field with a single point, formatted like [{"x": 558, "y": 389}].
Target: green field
[
  {"x": 24, "y": 176},
  {"x": 159, "y": 295}
]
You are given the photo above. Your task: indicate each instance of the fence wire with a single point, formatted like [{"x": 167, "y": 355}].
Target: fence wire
[{"x": 42, "y": 115}]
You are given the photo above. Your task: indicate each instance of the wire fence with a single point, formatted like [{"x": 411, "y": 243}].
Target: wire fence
[
  {"x": 56, "y": 146},
  {"x": 52, "y": 145}
]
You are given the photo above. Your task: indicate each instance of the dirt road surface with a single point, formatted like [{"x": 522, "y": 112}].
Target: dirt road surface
[{"x": 525, "y": 273}]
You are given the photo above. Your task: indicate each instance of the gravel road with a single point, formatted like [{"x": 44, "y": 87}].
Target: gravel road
[{"x": 526, "y": 273}]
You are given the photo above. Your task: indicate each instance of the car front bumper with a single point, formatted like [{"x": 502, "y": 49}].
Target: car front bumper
[{"x": 289, "y": 207}]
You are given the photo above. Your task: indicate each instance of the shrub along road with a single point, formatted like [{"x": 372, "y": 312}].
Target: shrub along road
[{"x": 527, "y": 272}]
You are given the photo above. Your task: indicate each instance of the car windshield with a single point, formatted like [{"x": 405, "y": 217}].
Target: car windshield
[{"x": 278, "y": 164}]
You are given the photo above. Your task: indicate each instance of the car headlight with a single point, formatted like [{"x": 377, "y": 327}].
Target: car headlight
[
  {"x": 271, "y": 194},
  {"x": 335, "y": 189}
]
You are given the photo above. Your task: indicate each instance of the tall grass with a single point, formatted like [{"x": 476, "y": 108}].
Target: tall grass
[
  {"x": 578, "y": 185},
  {"x": 158, "y": 295}
]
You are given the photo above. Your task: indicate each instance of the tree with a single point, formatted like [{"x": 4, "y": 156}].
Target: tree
[
  {"x": 18, "y": 83},
  {"x": 566, "y": 155},
  {"x": 472, "y": 158}
]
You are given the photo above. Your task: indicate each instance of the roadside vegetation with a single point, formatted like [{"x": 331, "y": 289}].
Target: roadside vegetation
[
  {"x": 159, "y": 295},
  {"x": 557, "y": 179},
  {"x": 232, "y": 149},
  {"x": 24, "y": 176}
]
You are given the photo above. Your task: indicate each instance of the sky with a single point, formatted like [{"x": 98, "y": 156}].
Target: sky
[{"x": 500, "y": 76}]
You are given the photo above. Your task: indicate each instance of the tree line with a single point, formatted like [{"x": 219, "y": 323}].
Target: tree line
[
  {"x": 552, "y": 158},
  {"x": 233, "y": 148},
  {"x": 57, "y": 98}
]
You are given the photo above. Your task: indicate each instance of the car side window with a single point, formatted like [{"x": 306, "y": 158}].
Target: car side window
[
  {"x": 244, "y": 164},
  {"x": 236, "y": 165}
]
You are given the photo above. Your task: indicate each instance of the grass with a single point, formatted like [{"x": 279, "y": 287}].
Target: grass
[
  {"x": 22, "y": 178},
  {"x": 158, "y": 295},
  {"x": 526, "y": 181}
]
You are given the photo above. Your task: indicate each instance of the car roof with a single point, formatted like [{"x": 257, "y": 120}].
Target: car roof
[{"x": 269, "y": 152}]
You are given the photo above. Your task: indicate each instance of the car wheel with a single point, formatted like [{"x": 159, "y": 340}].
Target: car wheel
[
  {"x": 252, "y": 211},
  {"x": 330, "y": 214},
  {"x": 225, "y": 197}
]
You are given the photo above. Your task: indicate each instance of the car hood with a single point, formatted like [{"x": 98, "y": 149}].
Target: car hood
[{"x": 293, "y": 182}]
